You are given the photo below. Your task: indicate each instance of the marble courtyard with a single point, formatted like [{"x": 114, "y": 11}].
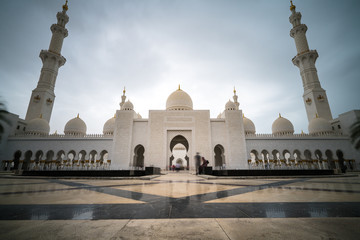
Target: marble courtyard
[{"x": 180, "y": 206}]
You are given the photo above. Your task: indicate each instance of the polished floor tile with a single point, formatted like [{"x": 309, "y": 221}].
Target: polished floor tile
[{"x": 178, "y": 195}]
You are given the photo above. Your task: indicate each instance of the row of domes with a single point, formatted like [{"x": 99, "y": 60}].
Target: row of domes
[
  {"x": 178, "y": 100},
  {"x": 40, "y": 126},
  {"x": 76, "y": 126},
  {"x": 282, "y": 126}
]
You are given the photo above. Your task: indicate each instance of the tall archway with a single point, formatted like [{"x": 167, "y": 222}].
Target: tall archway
[
  {"x": 341, "y": 160},
  {"x": 179, "y": 148},
  {"x": 219, "y": 155},
  {"x": 27, "y": 160},
  {"x": 17, "y": 156},
  {"x": 49, "y": 156},
  {"x": 330, "y": 159},
  {"x": 307, "y": 155},
  {"x": 38, "y": 156},
  {"x": 139, "y": 156},
  {"x": 297, "y": 155}
]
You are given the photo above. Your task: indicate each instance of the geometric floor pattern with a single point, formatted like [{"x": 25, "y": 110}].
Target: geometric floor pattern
[
  {"x": 179, "y": 199},
  {"x": 178, "y": 195}
]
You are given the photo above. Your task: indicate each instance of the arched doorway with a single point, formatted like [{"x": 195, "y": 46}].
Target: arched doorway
[
  {"x": 17, "y": 156},
  {"x": 179, "y": 148},
  {"x": 219, "y": 156},
  {"x": 27, "y": 160},
  {"x": 139, "y": 156}
]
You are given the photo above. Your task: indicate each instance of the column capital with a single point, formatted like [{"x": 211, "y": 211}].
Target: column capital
[
  {"x": 310, "y": 55},
  {"x": 45, "y": 54},
  {"x": 56, "y": 28}
]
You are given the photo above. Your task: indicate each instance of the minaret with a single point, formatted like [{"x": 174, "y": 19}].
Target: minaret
[
  {"x": 123, "y": 98},
  {"x": 43, "y": 96},
  {"x": 315, "y": 98},
  {"x": 235, "y": 97}
]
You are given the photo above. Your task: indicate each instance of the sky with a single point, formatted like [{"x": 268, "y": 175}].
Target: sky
[{"x": 206, "y": 46}]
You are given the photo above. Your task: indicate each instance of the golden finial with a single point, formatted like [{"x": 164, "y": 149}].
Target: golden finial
[
  {"x": 78, "y": 116},
  {"x": 115, "y": 115},
  {"x": 302, "y": 132},
  {"x": 234, "y": 90},
  {"x": 316, "y": 115},
  {"x": 292, "y": 7},
  {"x": 243, "y": 115},
  {"x": 65, "y": 6},
  {"x": 40, "y": 115},
  {"x": 179, "y": 87},
  {"x": 279, "y": 115},
  {"x": 124, "y": 90}
]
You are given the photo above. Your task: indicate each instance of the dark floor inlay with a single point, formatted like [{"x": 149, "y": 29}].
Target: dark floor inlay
[{"x": 178, "y": 208}]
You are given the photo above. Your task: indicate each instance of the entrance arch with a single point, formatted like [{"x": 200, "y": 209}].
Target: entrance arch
[
  {"x": 219, "y": 156},
  {"x": 179, "y": 148},
  {"x": 139, "y": 156}
]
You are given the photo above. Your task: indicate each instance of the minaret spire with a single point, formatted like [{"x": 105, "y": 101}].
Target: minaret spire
[
  {"x": 123, "y": 98},
  {"x": 43, "y": 96},
  {"x": 315, "y": 98},
  {"x": 235, "y": 97}
]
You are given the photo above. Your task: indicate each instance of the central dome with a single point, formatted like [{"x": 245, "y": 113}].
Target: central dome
[{"x": 179, "y": 100}]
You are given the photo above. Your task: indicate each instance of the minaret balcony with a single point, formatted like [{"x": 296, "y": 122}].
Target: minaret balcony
[
  {"x": 303, "y": 57},
  {"x": 301, "y": 28},
  {"x": 56, "y": 28},
  {"x": 45, "y": 55}
]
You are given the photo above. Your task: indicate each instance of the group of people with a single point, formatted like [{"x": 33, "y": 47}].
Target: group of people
[{"x": 200, "y": 164}]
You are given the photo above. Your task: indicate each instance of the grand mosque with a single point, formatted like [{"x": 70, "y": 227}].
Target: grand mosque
[{"x": 129, "y": 141}]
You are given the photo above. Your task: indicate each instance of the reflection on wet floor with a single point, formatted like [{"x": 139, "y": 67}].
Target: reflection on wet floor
[{"x": 178, "y": 195}]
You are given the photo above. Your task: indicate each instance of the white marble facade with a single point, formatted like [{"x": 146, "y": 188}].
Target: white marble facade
[{"x": 129, "y": 141}]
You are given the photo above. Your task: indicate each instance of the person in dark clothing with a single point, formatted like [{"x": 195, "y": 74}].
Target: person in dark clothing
[
  {"x": 197, "y": 162},
  {"x": 203, "y": 165}
]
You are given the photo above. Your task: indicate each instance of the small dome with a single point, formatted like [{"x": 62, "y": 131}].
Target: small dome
[
  {"x": 179, "y": 100},
  {"x": 127, "y": 106},
  {"x": 319, "y": 126},
  {"x": 109, "y": 126},
  {"x": 230, "y": 105},
  {"x": 249, "y": 126},
  {"x": 38, "y": 126},
  {"x": 75, "y": 126},
  {"x": 282, "y": 126}
]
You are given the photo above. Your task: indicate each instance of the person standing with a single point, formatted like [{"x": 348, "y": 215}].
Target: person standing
[
  {"x": 197, "y": 162},
  {"x": 203, "y": 165}
]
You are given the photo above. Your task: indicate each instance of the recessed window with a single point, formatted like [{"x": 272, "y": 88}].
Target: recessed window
[
  {"x": 339, "y": 127},
  {"x": 24, "y": 129},
  {"x": 18, "y": 127},
  {"x": 333, "y": 128}
]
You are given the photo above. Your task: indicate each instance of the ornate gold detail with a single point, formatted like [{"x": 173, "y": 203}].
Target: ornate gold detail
[
  {"x": 280, "y": 115},
  {"x": 124, "y": 91},
  {"x": 77, "y": 116},
  {"x": 179, "y": 87},
  {"x": 65, "y": 6},
  {"x": 321, "y": 98},
  {"x": 37, "y": 98},
  {"x": 292, "y": 7},
  {"x": 234, "y": 90}
]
